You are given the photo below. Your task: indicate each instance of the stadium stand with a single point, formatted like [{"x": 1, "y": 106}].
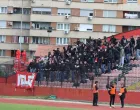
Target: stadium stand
[{"x": 107, "y": 61}]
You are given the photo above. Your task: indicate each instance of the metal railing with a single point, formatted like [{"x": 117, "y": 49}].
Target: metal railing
[
  {"x": 6, "y": 68},
  {"x": 70, "y": 80},
  {"x": 53, "y": 79}
]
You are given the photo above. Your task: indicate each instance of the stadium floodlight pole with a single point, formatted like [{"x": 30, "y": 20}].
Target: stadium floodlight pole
[{"x": 21, "y": 26}]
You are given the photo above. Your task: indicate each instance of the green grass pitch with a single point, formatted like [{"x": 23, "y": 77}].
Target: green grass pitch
[{"x": 7, "y": 106}]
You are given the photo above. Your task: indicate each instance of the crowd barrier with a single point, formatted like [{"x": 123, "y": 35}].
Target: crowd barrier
[{"x": 132, "y": 83}]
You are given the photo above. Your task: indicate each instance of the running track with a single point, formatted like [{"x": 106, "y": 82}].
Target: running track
[{"x": 82, "y": 106}]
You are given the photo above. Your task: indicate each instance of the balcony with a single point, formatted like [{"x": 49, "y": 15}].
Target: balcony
[
  {"x": 71, "y": 19},
  {"x": 72, "y": 34},
  {"x": 129, "y": 28},
  {"x": 14, "y": 17},
  {"x": 10, "y": 46},
  {"x": 16, "y": 3},
  {"x": 101, "y": 6},
  {"x": 14, "y": 32},
  {"x": 33, "y": 47}
]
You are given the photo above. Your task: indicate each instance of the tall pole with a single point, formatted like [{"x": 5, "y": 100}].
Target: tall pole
[{"x": 21, "y": 26}]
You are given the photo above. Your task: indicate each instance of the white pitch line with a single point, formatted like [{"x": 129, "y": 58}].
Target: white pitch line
[{"x": 72, "y": 102}]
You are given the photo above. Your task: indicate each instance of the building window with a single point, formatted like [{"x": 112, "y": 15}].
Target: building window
[
  {"x": 26, "y": 11},
  {"x": 2, "y": 39},
  {"x": 132, "y": 15},
  {"x": 17, "y": 25},
  {"x": 63, "y": 26},
  {"x": 36, "y": 26},
  {"x": 132, "y": 28},
  {"x": 110, "y": 1},
  {"x": 41, "y": 25},
  {"x": 2, "y": 24},
  {"x": 62, "y": 41},
  {"x": 3, "y": 9},
  {"x": 2, "y": 52},
  {"x": 109, "y": 28},
  {"x": 86, "y": 27},
  {"x": 26, "y": 25},
  {"x": 87, "y": 0},
  {"x": 109, "y": 14},
  {"x": 132, "y": 1},
  {"x": 17, "y": 10},
  {"x": 44, "y": 11},
  {"x": 64, "y": 11},
  {"x": 84, "y": 12},
  {"x": 17, "y": 39},
  {"x": 40, "y": 40}
]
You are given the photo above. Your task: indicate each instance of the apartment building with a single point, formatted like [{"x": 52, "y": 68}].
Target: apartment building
[{"x": 68, "y": 19}]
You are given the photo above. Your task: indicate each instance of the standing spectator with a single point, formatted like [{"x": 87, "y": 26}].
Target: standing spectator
[
  {"x": 96, "y": 63},
  {"x": 112, "y": 92},
  {"x": 132, "y": 45},
  {"x": 122, "y": 54},
  {"x": 103, "y": 65},
  {"x": 47, "y": 71},
  {"x": 116, "y": 51},
  {"x": 52, "y": 71},
  {"x": 127, "y": 53},
  {"x": 138, "y": 48},
  {"x": 122, "y": 94},
  {"x": 77, "y": 68},
  {"x": 110, "y": 55},
  {"x": 95, "y": 94},
  {"x": 113, "y": 40},
  {"x": 41, "y": 70},
  {"x": 123, "y": 41}
]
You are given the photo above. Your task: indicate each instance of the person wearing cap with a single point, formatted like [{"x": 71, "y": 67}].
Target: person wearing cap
[
  {"x": 95, "y": 94},
  {"x": 122, "y": 94}
]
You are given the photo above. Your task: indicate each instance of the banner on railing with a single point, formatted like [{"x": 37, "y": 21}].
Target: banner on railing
[{"x": 25, "y": 80}]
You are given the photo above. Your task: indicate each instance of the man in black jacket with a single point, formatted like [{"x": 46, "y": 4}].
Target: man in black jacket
[
  {"x": 110, "y": 57},
  {"x": 138, "y": 48},
  {"x": 77, "y": 71},
  {"x": 96, "y": 65},
  {"x": 132, "y": 45},
  {"x": 47, "y": 71},
  {"x": 62, "y": 71},
  {"x": 123, "y": 41}
]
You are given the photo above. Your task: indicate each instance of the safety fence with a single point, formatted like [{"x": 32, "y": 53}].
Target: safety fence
[
  {"x": 72, "y": 80},
  {"x": 6, "y": 69}
]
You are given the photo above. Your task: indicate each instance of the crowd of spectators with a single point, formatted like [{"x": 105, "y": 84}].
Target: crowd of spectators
[{"x": 76, "y": 61}]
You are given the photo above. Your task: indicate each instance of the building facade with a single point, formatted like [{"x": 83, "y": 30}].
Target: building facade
[{"x": 69, "y": 19}]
